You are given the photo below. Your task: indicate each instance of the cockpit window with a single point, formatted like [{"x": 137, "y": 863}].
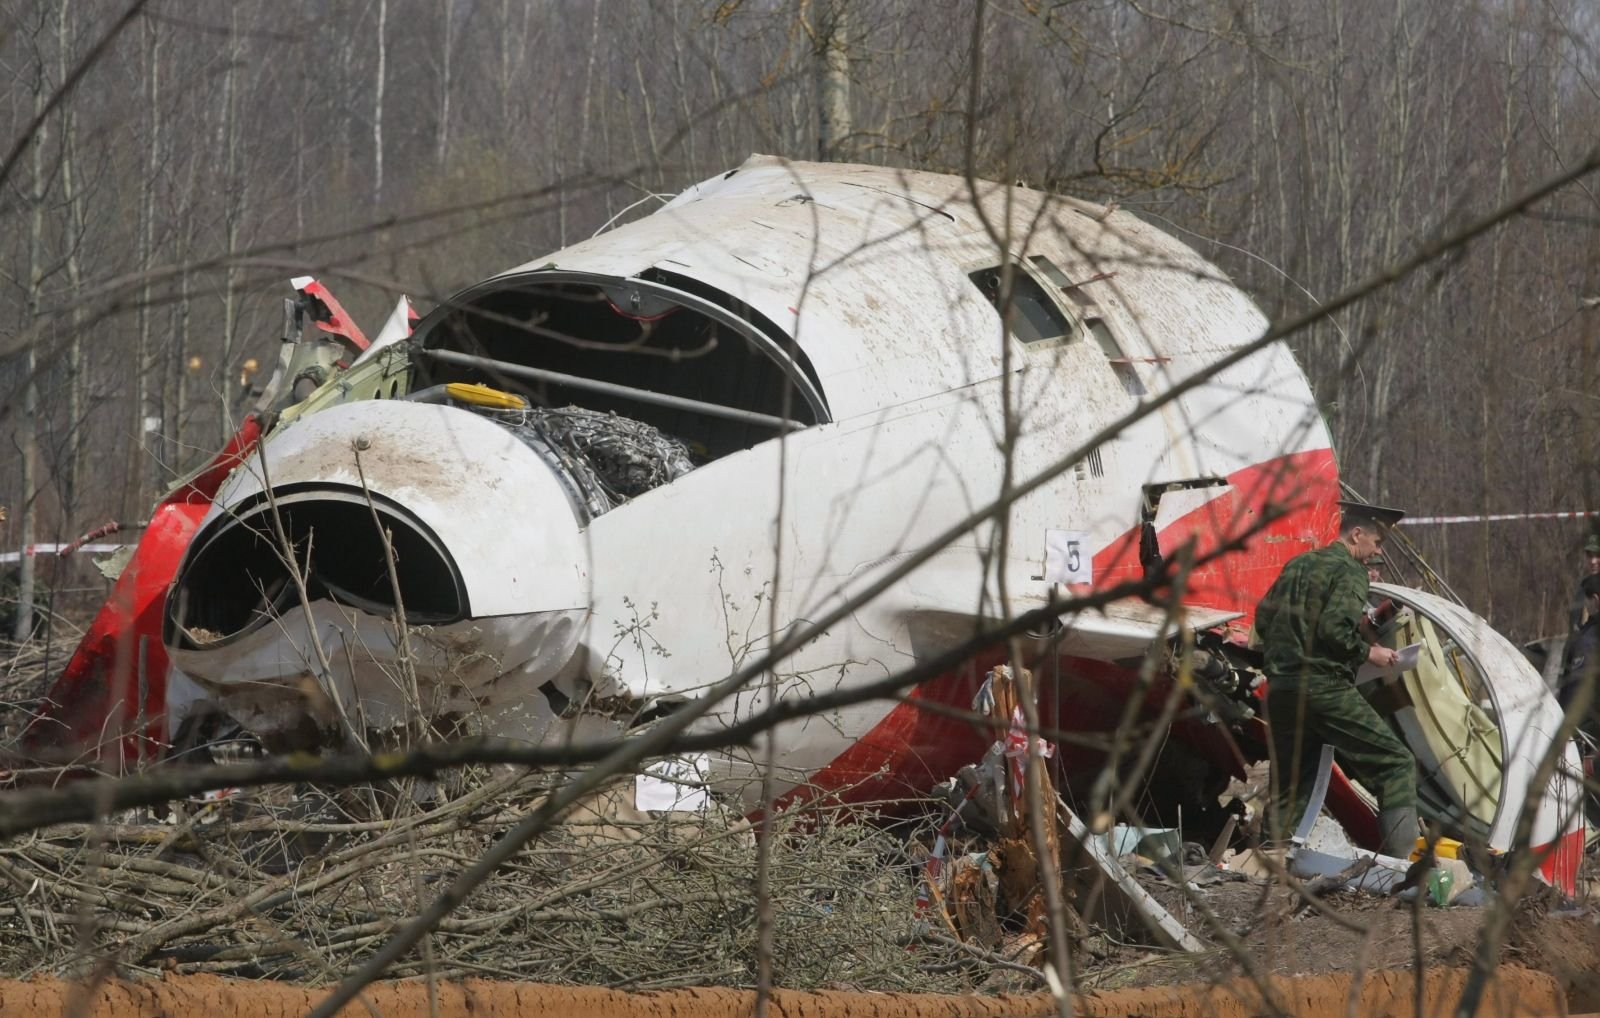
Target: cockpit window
[
  {"x": 700, "y": 368},
  {"x": 1035, "y": 317}
]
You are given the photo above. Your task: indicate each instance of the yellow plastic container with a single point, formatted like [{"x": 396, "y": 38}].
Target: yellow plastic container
[{"x": 1445, "y": 848}]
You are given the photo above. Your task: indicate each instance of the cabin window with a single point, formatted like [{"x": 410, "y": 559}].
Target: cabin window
[
  {"x": 1035, "y": 317},
  {"x": 1074, "y": 292},
  {"x": 1121, "y": 366},
  {"x": 1050, "y": 271},
  {"x": 1108, "y": 343}
]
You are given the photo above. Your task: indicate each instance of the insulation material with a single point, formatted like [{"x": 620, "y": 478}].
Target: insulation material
[{"x": 624, "y": 457}]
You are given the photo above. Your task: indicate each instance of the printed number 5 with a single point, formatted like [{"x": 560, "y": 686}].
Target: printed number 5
[{"x": 1069, "y": 557}]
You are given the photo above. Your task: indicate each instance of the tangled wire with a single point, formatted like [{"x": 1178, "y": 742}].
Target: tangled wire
[{"x": 625, "y": 457}]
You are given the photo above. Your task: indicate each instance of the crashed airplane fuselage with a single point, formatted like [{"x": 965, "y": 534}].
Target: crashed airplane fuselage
[{"x": 608, "y": 477}]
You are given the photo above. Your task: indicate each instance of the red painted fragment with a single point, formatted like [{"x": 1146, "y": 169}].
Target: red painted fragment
[
  {"x": 1560, "y": 860},
  {"x": 108, "y": 708},
  {"x": 336, "y": 321}
]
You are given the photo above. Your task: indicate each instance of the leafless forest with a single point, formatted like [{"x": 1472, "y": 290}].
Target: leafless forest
[
  {"x": 167, "y": 166},
  {"x": 171, "y": 164}
]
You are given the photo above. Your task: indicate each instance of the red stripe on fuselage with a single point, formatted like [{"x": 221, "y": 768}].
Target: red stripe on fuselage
[{"x": 912, "y": 748}]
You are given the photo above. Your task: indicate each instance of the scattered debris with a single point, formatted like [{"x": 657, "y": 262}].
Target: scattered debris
[
  {"x": 673, "y": 785},
  {"x": 1446, "y": 880},
  {"x": 984, "y": 896},
  {"x": 984, "y": 892}
]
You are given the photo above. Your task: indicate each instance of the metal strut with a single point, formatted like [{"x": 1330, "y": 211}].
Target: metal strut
[{"x": 468, "y": 360}]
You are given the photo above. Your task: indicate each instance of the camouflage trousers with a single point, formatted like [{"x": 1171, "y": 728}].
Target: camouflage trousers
[{"x": 1303, "y": 717}]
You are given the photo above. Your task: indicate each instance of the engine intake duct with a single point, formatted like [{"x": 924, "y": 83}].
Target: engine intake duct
[{"x": 239, "y": 580}]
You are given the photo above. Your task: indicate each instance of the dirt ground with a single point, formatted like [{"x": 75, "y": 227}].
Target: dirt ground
[
  {"x": 1254, "y": 921},
  {"x": 1357, "y": 932},
  {"x": 1516, "y": 993}
]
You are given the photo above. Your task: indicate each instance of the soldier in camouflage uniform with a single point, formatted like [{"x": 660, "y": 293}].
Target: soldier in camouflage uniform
[{"x": 1309, "y": 627}]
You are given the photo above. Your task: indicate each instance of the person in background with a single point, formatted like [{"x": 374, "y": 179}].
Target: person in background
[
  {"x": 1583, "y": 648},
  {"x": 1379, "y": 610},
  {"x": 1591, "y": 567}
]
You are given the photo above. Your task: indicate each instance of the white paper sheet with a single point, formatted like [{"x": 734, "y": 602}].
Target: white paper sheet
[
  {"x": 1409, "y": 655},
  {"x": 675, "y": 784}
]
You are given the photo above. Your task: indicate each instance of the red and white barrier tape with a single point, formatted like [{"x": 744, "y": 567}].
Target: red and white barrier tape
[
  {"x": 1411, "y": 521},
  {"x": 36, "y": 550}
]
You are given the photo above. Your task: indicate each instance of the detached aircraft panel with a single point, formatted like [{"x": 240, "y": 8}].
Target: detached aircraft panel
[{"x": 1494, "y": 682}]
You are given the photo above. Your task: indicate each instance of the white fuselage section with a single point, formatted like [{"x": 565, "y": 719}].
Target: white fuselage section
[{"x": 933, "y": 407}]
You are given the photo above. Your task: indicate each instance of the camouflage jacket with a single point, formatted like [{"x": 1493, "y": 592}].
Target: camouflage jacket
[{"x": 1309, "y": 621}]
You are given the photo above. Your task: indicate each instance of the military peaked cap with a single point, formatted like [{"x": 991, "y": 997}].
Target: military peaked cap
[{"x": 1352, "y": 513}]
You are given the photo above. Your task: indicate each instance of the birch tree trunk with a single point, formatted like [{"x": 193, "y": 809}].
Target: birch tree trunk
[
  {"x": 833, "y": 81},
  {"x": 442, "y": 134},
  {"x": 1387, "y": 356},
  {"x": 377, "y": 105},
  {"x": 142, "y": 436},
  {"x": 28, "y": 422},
  {"x": 230, "y": 215},
  {"x": 1492, "y": 366},
  {"x": 70, "y": 470},
  {"x": 175, "y": 397}
]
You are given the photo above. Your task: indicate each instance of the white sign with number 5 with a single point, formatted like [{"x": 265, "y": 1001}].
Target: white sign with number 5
[{"x": 1068, "y": 557}]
